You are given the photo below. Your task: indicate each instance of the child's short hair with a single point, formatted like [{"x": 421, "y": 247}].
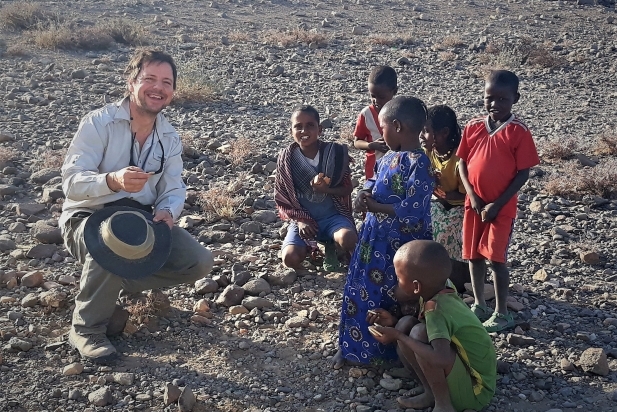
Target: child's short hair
[
  {"x": 306, "y": 108},
  {"x": 441, "y": 116},
  {"x": 410, "y": 111},
  {"x": 383, "y": 75},
  {"x": 503, "y": 78}
]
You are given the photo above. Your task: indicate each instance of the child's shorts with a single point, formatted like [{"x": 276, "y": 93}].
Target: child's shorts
[
  {"x": 327, "y": 228},
  {"x": 460, "y": 386},
  {"x": 486, "y": 240}
]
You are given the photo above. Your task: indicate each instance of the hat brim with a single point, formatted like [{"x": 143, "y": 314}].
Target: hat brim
[{"x": 127, "y": 268}]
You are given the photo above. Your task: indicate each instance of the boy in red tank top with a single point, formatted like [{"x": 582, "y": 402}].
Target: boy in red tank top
[{"x": 496, "y": 154}]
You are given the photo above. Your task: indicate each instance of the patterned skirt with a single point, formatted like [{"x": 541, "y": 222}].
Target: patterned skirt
[{"x": 448, "y": 228}]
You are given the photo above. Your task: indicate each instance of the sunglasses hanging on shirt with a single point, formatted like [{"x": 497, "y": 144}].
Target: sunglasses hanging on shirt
[{"x": 132, "y": 162}]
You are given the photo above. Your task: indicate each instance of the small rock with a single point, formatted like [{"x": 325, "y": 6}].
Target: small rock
[
  {"x": 231, "y": 295},
  {"x": 238, "y": 310},
  {"x": 124, "y": 378},
  {"x": 117, "y": 322},
  {"x": 187, "y": 400},
  {"x": 251, "y": 227},
  {"x": 44, "y": 175},
  {"x": 30, "y": 300},
  {"x": 206, "y": 285},
  {"x": 30, "y": 208},
  {"x": 100, "y": 397},
  {"x": 200, "y": 320},
  {"x": 32, "y": 279},
  {"x": 284, "y": 277},
  {"x": 73, "y": 369},
  {"x": 566, "y": 365},
  {"x": 358, "y": 30},
  {"x": 591, "y": 258},
  {"x": 171, "y": 394},
  {"x": 20, "y": 344},
  {"x": 541, "y": 276},
  {"x": 520, "y": 340},
  {"x": 391, "y": 384},
  {"x": 593, "y": 360},
  {"x": 41, "y": 251},
  {"x": 255, "y": 287},
  {"x": 297, "y": 322},
  {"x": 265, "y": 216},
  {"x": 201, "y": 306},
  {"x": 253, "y": 302},
  {"x": 53, "y": 298}
]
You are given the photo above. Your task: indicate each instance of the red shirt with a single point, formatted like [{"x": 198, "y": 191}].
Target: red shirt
[
  {"x": 368, "y": 129},
  {"x": 494, "y": 159}
]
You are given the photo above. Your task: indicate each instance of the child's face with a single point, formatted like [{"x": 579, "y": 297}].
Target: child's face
[
  {"x": 305, "y": 129},
  {"x": 437, "y": 139},
  {"x": 407, "y": 288},
  {"x": 380, "y": 95},
  {"x": 498, "y": 101},
  {"x": 391, "y": 133}
]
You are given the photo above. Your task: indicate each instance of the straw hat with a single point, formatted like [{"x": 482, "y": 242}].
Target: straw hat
[{"x": 125, "y": 241}]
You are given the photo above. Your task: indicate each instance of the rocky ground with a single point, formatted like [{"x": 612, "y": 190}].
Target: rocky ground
[{"x": 255, "y": 337}]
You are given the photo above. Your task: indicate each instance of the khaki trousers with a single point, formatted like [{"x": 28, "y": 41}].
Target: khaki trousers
[{"x": 99, "y": 289}]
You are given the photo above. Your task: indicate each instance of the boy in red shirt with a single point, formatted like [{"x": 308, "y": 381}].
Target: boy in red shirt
[
  {"x": 382, "y": 86},
  {"x": 496, "y": 153}
]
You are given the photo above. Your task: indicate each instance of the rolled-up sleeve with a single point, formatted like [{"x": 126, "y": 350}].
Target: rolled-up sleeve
[
  {"x": 170, "y": 189},
  {"x": 81, "y": 179}
]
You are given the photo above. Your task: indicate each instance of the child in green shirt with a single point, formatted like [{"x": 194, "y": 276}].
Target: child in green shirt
[{"x": 446, "y": 346}]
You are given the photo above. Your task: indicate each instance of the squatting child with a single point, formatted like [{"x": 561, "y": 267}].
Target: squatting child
[
  {"x": 312, "y": 190},
  {"x": 450, "y": 351},
  {"x": 496, "y": 154},
  {"x": 382, "y": 86},
  {"x": 397, "y": 207}
]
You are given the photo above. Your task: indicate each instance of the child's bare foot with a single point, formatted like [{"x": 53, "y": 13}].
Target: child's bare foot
[
  {"x": 337, "y": 361},
  {"x": 421, "y": 401}
]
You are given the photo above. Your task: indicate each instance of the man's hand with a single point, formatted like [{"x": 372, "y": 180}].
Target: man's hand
[
  {"x": 163, "y": 216},
  {"x": 384, "y": 334},
  {"x": 371, "y": 204},
  {"x": 130, "y": 179},
  {"x": 379, "y": 145},
  {"x": 360, "y": 202},
  {"x": 380, "y": 316},
  {"x": 306, "y": 231}
]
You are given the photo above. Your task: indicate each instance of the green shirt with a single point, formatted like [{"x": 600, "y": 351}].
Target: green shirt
[{"x": 450, "y": 318}]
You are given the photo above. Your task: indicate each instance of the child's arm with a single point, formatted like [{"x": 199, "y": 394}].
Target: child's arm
[
  {"x": 492, "y": 209},
  {"x": 378, "y": 145},
  {"x": 438, "y": 350},
  {"x": 477, "y": 204}
]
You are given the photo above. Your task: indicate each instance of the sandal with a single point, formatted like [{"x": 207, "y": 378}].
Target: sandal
[
  {"x": 499, "y": 322},
  {"x": 482, "y": 312},
  {"x": 331, "y": 262}
]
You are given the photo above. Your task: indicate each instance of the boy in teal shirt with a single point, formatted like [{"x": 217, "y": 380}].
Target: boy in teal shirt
[{"x": 447, "y": 347}]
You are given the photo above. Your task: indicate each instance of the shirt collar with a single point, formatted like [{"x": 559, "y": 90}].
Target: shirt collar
[{"x": 124, "y": 113}]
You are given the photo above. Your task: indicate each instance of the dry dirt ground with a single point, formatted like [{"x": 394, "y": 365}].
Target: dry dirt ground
[{"x": 243, "y": 66}]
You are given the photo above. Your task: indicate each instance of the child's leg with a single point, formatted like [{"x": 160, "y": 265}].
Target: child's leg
[
  {"x": 346, "y": 239},
  {"x": 502, "y": 282},
  {"x": 293, "y": 256},
  {"x": 477, "y": 267},
  {"x": 433, "y": 377}
]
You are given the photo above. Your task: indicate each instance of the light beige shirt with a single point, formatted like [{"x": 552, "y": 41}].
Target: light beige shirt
[{"x": 102, "y": 145}]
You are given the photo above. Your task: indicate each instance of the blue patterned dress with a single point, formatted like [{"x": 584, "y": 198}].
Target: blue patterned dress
[{"x": 405, "y": 180}]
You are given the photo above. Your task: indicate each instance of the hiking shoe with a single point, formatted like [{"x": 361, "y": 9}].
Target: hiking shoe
[{"x": 96, "y": 347}]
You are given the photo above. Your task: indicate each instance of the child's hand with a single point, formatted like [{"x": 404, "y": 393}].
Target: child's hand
[
  {"x": 371, "y": 204},
  {"x": 490, "y": 212},
  {"x": 380, "y": 316},
  {"x": 379, "y": 145},
  {"x": 320, "y": 183},
  {"x": 477, "y": 204},
  {"x": 306, "y": 231},
  {"x": 360, "y": 202},
  {"x": 384, "y": 334}
]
